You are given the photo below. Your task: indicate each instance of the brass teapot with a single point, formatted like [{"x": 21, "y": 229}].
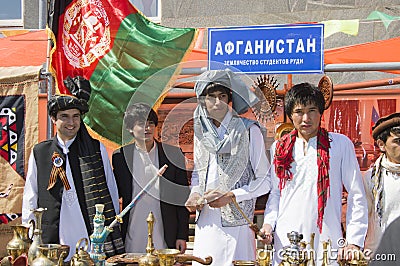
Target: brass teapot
[
  {"x": 49, "y": 255},
  {"x": 82, "y": 257},
  {"x": 20, "y": 242}
]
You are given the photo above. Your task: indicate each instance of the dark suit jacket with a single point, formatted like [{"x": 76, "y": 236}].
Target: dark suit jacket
[{"x": 175, "y": 217}]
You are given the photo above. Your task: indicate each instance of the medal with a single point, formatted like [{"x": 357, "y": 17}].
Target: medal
[
  {"x": 58, "y": 161},
  {"x": 58, "y": 172}
]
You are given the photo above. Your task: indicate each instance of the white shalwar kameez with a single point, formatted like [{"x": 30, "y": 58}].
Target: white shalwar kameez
[
  {"x": 72, "y": 225},
  {"x": 295, "y": 207},
  {"x": 146, "y": 167},
  {"x": 226, "y": 244},
  {"x": 391, "y": 203}
]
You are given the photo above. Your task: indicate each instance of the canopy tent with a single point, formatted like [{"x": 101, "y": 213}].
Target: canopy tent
[
  {"x": 371, "y": 52},
  {"x": 28, "y": 49}
]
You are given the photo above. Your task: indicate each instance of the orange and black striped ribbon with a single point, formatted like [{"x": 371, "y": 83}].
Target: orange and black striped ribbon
[{"x": 58, "y": 171}]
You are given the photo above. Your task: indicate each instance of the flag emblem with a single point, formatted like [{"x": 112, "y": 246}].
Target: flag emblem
[
  {"x": 86, "y": 33},
  {"x": 120, "y": 52}
]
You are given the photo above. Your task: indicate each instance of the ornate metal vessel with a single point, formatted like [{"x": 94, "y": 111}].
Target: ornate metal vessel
[
  {"x": 49, "y": 255},
  {"x": 20, "y": 242},
  {"x": 82, "y": 257},
  {"x": 33, "y": 251}
]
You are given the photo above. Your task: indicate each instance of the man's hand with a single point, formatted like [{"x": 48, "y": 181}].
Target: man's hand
[
  {"x": 194, "y": 202},
  {"x": 349, "y": 252},
  {"x": 218, "y": 199},
  {"x": 267, "y": 230},
  {"x": 181, "y": 245}
]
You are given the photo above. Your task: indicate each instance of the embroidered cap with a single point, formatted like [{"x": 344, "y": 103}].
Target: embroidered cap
[
  {"x": 385, "y": 123},
  {"x": 80, "y": 89}
]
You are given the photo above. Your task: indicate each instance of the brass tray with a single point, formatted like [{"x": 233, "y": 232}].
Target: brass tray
[{"x": 126, "y": 258}]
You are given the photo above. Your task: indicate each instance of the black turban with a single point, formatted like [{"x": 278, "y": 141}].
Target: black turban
[{"x": 80, "y": 89}]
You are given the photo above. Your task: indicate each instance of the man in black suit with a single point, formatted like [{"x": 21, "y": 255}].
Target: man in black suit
[{"x": 134, "y": 166}]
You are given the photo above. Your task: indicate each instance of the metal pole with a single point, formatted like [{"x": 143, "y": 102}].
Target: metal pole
[
  {"x": 48, "y": 5},
  {"x": 49, "y": 78},
  {"x": 366, "y": 84},
  {"x": 193, "y": 70},
  {"x": 42, "y": 13},
  {"x": 353, "y": 67}
]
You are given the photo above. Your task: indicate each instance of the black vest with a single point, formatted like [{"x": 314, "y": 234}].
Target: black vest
[{"x": 51, "y": 199}]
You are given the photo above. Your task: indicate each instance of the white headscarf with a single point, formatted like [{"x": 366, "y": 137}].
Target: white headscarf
[{"x": 242, "y": 99}]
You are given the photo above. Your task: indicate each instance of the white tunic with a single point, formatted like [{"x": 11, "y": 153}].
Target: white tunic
[
  {"x": 226, "y": 244},
  {"x": 295, "y": 208},
  {"x": 72, "y": 225},
  {"x": 391, "y": 198},
  {"x": 145, "y": 168}
]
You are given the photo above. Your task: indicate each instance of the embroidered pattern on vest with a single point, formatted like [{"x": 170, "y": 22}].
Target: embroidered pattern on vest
[{"x": 234, "y": 171}]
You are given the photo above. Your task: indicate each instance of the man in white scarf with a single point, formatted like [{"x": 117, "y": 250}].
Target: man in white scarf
[
  {"x": 382, "y": 180},
  {"x": 230, "y": 164}
]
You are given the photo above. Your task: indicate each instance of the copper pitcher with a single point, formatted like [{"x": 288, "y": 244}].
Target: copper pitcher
[{"x": 20, "y": 242}]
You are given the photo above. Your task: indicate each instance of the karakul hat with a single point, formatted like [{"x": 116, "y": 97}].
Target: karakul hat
[{"x": 384, "y": 123}]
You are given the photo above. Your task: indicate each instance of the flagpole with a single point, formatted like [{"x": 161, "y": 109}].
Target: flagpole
[
  {"x": 42, "y": 14},
  {"x": 49, "y": 77}
]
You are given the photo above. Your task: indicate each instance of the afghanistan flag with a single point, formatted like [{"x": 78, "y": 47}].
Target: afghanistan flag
[{"x": 114, "y": 46}]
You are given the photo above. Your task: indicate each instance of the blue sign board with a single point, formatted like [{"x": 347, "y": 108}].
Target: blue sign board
[{"x": 279, "y": 49}]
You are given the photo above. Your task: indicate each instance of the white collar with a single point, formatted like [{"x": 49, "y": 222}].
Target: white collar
[{"x": 65, "y": 145}]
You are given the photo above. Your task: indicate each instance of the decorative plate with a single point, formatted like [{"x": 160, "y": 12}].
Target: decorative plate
[{"x": 326, "y": 87}]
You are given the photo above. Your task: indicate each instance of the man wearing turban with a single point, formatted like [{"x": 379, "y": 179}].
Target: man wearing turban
[
  {"x": 69, "y": 174},
  {"x": 230, "y": 165},
  {"x": 382, "y": 180}
]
